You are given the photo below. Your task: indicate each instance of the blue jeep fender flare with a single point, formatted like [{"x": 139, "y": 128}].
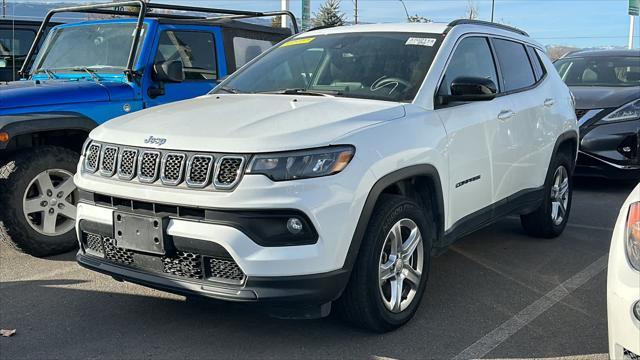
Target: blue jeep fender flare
[{"x": 21, "y": 124}]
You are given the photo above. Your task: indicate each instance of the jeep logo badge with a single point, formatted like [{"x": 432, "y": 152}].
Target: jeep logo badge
[{"x": 155, "y": 140}]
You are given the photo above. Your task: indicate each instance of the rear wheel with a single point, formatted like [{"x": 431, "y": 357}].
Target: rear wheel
[
  {"x": 40, "y": 199},
  {"x": 390, "y": 274},
  {"x": 550, "y": 219}
]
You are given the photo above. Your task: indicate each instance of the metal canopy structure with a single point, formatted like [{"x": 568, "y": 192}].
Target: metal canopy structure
[{"x": 146, "y": 10}]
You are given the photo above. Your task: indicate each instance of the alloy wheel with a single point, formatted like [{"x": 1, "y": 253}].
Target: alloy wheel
[
  {"x": 559, "y": 195},
  {"x": 401, "y": 265},
  {"x": 49, "y": 203}
]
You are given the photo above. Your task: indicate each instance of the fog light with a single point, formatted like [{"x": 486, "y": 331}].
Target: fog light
[
  {"x": 294, "y": 225},
  {"x": 4, "y": 137},
  {"x": 636, "y": 310}
]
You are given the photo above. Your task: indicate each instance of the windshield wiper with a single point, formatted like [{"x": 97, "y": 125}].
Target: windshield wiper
[
  {"x": 229, "y": 90},
  {"x": 49, "y": 73},
  {"x": 91, "y": 73},
  {"x": 303, "y": 92}
]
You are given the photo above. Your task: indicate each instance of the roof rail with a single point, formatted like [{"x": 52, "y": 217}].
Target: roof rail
[
  {"x": 144, "y": 10},
  {"x": 487, "y": 23}
]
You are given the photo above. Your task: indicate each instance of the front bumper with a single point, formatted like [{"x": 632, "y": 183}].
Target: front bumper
[
  {"x": 610, "y": 150},
  {"x": 623, "y": 291},
  {"x": 309, "y": 289}
]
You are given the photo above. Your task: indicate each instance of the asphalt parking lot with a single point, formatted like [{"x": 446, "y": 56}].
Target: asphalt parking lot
[{"x": 494, "y": 294}]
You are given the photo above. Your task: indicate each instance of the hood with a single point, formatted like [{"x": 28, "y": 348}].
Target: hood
[
  {"x": 247, "y": 123},
  {"x": 28, "y": 93},
  {"x": 588, "y": 97}
]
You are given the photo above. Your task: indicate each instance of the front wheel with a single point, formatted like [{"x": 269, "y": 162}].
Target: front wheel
[
  {"x": 390, "y": 274},
  {"x": 39, "y": 201},
  {"x": 550, "y": 219}
]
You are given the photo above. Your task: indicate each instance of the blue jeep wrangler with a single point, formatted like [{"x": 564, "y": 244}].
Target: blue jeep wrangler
[{"x": 86, "y": 73}]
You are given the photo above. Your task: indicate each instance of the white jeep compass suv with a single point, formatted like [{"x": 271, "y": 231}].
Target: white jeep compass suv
[{"x": 331, "y": 167}]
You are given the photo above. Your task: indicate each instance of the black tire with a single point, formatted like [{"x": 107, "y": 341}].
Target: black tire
[
  {"x": 19, "y": 234},
  {"x": 540, "y": 223},
  {"x": 361, "y": 303}
]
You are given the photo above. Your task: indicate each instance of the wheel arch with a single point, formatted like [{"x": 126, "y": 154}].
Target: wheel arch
[
  {"x": 67, "y": 130},
  {"x": 415, "y": 181},
  {"x": 567, "y": 141}
]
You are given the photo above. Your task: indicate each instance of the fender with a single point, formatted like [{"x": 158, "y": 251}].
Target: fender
[
  {"x": 425, "y": 170},
  {"x": 16, "y": 125},
  {"x": 567, "y": 135}
]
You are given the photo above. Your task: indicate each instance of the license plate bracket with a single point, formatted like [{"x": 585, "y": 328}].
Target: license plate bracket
[{"x": 139, "y": 233}]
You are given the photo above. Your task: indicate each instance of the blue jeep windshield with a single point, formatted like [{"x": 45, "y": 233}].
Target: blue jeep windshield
[
  {"x": 387, "y": 66},
  {"x": 99, "y": 47}
]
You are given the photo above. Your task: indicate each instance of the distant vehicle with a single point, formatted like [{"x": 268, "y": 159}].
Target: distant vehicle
[
  {"x": 16, "y": 37},
  {"x": 90, "y": 72},
  {"x": 606, "y": 85},
  {"x": 332, "y": 167},
  {"x": 623, "y": 282}
]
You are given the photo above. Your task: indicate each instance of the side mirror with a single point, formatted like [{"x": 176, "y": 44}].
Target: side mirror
[
  {"x": 169, "y": 71},
  {"x": 467, "y": 88}
]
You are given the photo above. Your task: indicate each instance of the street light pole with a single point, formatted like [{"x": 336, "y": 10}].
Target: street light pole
[
  {"x": 493, "y": 8},
  {"x": 631, "y": 30},
  {"x": 355, "y": 10}
]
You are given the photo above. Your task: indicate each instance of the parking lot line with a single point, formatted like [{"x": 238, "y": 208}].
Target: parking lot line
[{"x": 503, "y": 332}]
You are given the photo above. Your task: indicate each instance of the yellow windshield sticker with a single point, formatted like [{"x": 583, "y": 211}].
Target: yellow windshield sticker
[{"x": 298, "y": 42}]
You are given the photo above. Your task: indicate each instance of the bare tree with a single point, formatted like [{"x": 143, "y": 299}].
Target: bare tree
[
  {"x": 472, "y": 10},
  {"x": 418, "y": 19}
]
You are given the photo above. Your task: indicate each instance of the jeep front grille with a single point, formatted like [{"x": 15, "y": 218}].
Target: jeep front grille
[
  {"x": 127, "y": 164},
  {"x": 172, "y": 168},
  {"x": 228, "y": 171},
  {"x": 148, "y": 166},
  {"x": 92, "y": 157},
  {"x": 165, "y": 167},
  {"x": 108, "y": 160},
  {"x": 199, "y": 170}
]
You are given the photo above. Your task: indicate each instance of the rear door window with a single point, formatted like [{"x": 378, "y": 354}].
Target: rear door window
[
  {"x": 15, "y": 43},
  {"x": 247, "y": 49},
  {"x": 195, "y": 49},
  {"x": 515, "y": 67}
]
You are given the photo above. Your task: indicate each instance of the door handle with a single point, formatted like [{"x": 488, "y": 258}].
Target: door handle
[
  {"x": 549, "y": 102},
  {"x": 505, "y": 115}
]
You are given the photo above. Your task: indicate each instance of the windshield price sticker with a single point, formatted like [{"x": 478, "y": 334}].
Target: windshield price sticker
[
  {"x": 298, "y": 42},
  {"x": 421, "y": 41}
]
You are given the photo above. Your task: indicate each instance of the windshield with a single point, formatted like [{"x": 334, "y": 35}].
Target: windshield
[
  {"x": 15, "y": 43},
  {"x": 97, "y": 47},
  {"x": 614, "y": 71},
  {"x": 383, "y": 66}
]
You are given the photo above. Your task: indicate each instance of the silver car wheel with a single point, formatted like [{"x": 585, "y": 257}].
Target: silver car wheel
[
  {"x": 559, "y": 195},
  {"x": 400, "y": 265},
  {"x": 49, "y": 203}
]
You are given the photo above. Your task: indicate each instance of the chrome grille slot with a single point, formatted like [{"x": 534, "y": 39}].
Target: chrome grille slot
[
  {"x": 148, "y": 165},
  {"x": 199, "y": 170},
  {"x": 228, "y": 171},
  {"x": 172, "y": 168},
  {"x": 127, "y": 164},
  {"x": 92, "y": 157},
  {"x": 108, "y": 160}
]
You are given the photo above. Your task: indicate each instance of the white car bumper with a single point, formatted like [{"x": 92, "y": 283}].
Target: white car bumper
[{"x": 623, "y": 292}]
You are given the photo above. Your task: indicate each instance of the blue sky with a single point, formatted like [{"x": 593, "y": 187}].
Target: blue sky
[{"x": 582, "y": 23}]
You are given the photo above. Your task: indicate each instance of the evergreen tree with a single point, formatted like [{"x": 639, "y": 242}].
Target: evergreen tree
[{"x": 329, "y": 14}]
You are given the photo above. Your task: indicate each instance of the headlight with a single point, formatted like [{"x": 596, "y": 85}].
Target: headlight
[
  {"x": 632, "y": 236},
  {"x": 302, "y": 164},
  {"x": 629, "y": 111}
]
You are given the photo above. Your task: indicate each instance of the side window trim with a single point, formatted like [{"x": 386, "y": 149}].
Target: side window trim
[
  {"x": 215, "y": 50},
  {"x": 525, "y": 45},
  {"x": 448, "y": 62}
]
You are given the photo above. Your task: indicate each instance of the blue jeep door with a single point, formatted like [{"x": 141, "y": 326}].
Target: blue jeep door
[{"x": 196, "y": 48}]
